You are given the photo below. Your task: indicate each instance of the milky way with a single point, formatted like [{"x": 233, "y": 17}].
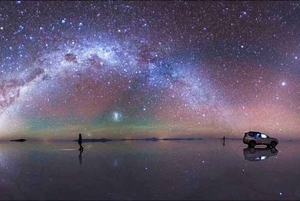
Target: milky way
[{"x": 133, "y": 69}]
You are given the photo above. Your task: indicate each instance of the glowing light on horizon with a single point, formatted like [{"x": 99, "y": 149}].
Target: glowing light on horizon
[{"x": 117, "y": 116}]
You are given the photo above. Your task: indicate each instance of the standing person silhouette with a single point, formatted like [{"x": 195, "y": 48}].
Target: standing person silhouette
[{"x": 80, "y": 142}]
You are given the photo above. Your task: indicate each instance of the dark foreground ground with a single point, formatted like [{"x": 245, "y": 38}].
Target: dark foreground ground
[{"x": 154, "y": 169}]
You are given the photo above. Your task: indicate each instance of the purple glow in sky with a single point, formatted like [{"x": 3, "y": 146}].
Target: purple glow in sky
[{"x": 158, "y": 69}]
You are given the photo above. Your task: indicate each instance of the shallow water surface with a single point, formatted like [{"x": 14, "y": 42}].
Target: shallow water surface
[{"x": 191, "y": 169}]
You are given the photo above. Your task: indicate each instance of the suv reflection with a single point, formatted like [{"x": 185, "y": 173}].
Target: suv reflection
[{"x": 259, "y": 154}]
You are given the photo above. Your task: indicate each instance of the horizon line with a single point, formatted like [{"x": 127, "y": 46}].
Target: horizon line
[{"x": 103, "y": 139}]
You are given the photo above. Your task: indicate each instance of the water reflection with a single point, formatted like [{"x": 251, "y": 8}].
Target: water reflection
[
  {"x": 259, "y": 154},
  {"x": 140, "y": 170},
  {"x": 222, "y": 140},
  {"x": 80, "y": 156}
]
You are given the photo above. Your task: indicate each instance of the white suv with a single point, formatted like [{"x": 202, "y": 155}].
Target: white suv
[{"x": 253, "y": 138}]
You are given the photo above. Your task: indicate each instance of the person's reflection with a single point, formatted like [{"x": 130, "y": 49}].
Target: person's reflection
[
  {"x": 80, "y": 156},
  {"x": 222, "y": 141},
  {"x": 80, "y": 148}
]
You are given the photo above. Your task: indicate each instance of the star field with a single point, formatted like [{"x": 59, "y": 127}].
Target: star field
[{"x": 133, "y": 69}]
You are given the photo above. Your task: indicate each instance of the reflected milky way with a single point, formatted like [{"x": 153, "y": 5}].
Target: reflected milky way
[{"x": 159, "y": 69}]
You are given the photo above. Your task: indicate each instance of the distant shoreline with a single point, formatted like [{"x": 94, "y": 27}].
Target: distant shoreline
[
  {"x": 149, "y": 139},
  {"x": 154, "y": 139},
  {"x": 138, "y": 139}
]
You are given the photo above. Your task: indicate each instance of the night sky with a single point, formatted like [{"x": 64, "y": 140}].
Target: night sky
[{"x": 149, "y": 69}]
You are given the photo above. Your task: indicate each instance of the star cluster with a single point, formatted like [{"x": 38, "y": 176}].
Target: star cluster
[{"x": 123, "y": 69}]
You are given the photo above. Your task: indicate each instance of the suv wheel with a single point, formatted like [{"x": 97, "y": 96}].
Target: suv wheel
[
  {"x": 273, "y": 150},
  {"x": 273, "y": 144},
  {"x": 252, "y": 143},
  {"x": 252, "y": 150}
]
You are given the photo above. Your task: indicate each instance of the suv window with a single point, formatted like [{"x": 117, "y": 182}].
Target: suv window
[
  {"x": 264, "y": 136},
  {"x": 252, "y": 134}
]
